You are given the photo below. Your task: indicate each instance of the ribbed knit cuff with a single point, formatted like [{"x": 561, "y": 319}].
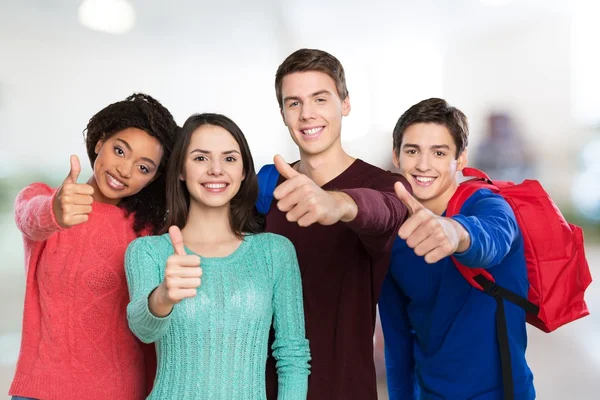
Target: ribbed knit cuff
[{"x": 143, "y": 323}]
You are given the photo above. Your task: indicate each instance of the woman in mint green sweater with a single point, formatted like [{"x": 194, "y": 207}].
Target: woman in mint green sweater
[{"x": 207, "y": 291}]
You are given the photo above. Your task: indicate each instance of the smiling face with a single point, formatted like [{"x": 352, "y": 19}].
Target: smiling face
[
  {"x": 427, "y": 159},
  {"x": 126, "y": 162},
  {"x": 213, "y": 169},
  {"x": 312, "y": 111}
]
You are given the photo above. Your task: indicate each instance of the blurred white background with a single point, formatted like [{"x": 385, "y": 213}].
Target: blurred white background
[{"x": 536, "y": 63}]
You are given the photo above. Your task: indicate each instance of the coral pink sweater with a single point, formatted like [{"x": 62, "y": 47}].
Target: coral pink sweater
[{"x": 76, "y": 343}]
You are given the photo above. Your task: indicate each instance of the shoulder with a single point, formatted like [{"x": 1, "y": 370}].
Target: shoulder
[
  {"x": 151, "y": 244},
  {"x": 485, "y": 201},
  {"x": 271, "y": 240},
  {"x": 371, "y": 176}
]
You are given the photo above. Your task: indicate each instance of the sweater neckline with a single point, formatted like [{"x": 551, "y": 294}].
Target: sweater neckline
[{"x": 228, "y": 259}]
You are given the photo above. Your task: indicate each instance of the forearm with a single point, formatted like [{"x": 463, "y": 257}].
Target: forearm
[
  {"x": 147, "y": 326},
  {"x": 33, "y": 213},
  {"x": 490, "y": 240},
  {"x": 375, "y": 212}
]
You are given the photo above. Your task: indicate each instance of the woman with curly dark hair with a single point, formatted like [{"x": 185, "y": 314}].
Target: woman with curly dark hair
[{"x": 76, "y": 342}]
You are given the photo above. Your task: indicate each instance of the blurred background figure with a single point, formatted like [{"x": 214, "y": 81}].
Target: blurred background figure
[{"x": 503, "y": 153}]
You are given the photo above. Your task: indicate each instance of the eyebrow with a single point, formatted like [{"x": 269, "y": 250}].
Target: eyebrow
[
  {"x": 434, "y": 147},
  {"x": 208, "y": 152},
  {"x": 129, "y": 148},
  {"x": 315, "y": 94}
]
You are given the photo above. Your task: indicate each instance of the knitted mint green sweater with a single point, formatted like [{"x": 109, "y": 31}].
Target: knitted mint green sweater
[{"x": 214, "y": 346}]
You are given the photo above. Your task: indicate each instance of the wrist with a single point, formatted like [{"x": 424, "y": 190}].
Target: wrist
[
  {"x": 464, "y": 239},
  {"x": 346, "y": 205},
  {"x": 158, "y": 302}
]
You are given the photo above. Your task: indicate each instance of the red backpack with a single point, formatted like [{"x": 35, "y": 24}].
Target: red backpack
[{"x": 557, "y": 269}]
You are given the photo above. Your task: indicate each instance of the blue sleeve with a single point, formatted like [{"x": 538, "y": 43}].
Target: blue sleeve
[
  {"x": 493, "y": 229},
  {"x": 267, "y": 181},
  {"x": 398, "y": 339}
]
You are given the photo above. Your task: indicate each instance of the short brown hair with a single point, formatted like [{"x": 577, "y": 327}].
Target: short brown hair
[
  {"x": 311, "y": 60},
  {"x": 436, "y": 111}
]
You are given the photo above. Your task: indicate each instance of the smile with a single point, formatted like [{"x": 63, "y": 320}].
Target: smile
[
  {"x": 424, "y": 180},
  {"x": 215, "y": 187},
  {"x": 114, "y": 183},
  {"x": 312, "y": 132}
]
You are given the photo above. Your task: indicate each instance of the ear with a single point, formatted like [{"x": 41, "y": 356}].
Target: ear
[
  {"x": 462, "y": 160},
  {"x": 282, "y": 116},
  {"x": 346, "y": 107},
  {"x": 395, "y": 159},
  {"x": 99, "y": 145}
]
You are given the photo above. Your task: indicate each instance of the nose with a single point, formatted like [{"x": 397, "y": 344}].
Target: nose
[
  {"x": 423, "y": 163},
  {"x": 307, "y": 112},
  {"x": 215, "y": 168},
  {"x": 124, "y": 169}
]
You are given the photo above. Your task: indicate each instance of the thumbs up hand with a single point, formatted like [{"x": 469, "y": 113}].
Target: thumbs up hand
[
  {"x": 306, "y": 203},
  {"x": 182, "y": 272},
  {"x": 430, "y": 235},
  {"x": 73, "y": 201}
]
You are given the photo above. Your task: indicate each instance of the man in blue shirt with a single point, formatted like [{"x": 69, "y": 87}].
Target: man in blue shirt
[{"x": 440, "y": 332}]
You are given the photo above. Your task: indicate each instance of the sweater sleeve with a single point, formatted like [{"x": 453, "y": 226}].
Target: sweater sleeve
[
  {"x": 33, "y": 212},
  {"x": 290, "y": 347},
  {"x": 493, "y": 229},
  {"x": 398, "y": 341},
  {"x": 380, "y": 214},
  {"x": 142, "y": 272}
]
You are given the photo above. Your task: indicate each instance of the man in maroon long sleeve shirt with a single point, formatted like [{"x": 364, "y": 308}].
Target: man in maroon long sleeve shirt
[{"x": 342, "y": 215}]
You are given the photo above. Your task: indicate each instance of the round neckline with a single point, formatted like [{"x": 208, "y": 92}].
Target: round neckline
[{"x": 233, "y": 256}]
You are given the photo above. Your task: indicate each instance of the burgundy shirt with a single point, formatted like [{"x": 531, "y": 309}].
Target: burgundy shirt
[{"x": 343, "y": 267}]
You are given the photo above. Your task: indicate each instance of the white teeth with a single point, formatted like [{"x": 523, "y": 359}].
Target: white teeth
[
  {"x": 312, "y": 131},
  {"x": 424, "y": 179},
  {"x": 114, "y": 181},
  {"x": 215, "y": 185}
]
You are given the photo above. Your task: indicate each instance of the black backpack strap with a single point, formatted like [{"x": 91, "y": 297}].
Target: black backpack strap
[{"x": 499, "y": 294}]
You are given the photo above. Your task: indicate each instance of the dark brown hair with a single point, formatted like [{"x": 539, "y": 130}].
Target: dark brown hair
[
  {"x": 311, "y": 60},
  {"x": 436, "y": 111},
  {"x": 243, "y": 218},
  {"x": 146, "y": 113}
]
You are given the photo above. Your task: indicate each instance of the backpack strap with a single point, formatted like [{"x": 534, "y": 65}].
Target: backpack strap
[
  {"x": 481, "y": 279},
  {"x": 462, "y": 194},
  {"x": 267, "y": 181}
]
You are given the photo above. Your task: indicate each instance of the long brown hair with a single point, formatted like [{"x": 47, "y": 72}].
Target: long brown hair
[{"x": 243, "y": 218}]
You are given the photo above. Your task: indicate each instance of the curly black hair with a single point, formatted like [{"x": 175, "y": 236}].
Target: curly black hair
[{"x": 146, "y": 113}]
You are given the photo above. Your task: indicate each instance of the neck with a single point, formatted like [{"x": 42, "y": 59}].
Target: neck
[
  {"x": 439, "y": 204},
  {"x": 207, "y": 224},
  {"x": 325, "y": 166}
]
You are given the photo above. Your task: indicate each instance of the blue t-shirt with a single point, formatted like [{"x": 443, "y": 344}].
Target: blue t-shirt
[{"x": 440, "y": 332}]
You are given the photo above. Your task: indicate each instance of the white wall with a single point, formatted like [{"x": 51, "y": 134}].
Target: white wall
[{"x": 524, "y": 70}]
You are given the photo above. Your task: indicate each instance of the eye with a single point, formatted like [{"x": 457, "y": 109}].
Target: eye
[
  {"x": 411, "y": 151},
  {"x": 293, "y": 104},
  {"x": 440, "y": 153},
  {"x": 144, "y": 169},
  {"x": 119, "y": 151},
  {"x": 200, "y": 158},
  {"x": 321, "y": 100},
  {"x": 230, "y": 159}
]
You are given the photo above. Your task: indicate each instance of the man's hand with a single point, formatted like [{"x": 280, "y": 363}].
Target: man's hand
[
  {"x": 430, "y": 235},
  {"x": 306, "y": 203}
]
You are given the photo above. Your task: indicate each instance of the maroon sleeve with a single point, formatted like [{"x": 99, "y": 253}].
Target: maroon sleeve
[{"x": 380, "y": 214}]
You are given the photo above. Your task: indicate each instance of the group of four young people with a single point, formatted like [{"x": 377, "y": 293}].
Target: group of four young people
[{"x": 163, "y": 245}]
